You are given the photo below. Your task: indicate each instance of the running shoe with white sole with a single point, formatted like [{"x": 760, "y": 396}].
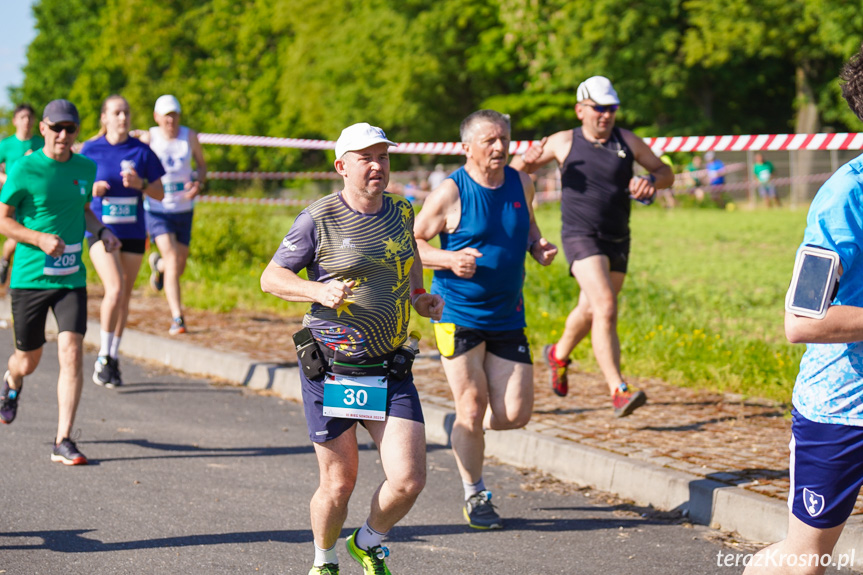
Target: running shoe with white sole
[
  {"x": 178, "y": 326},
  {"x": 480, "y": 513},
  {"x": 103, "y": 371},
  {"x": 372, "y": 560},
  {"x": 66, "y": 452}
]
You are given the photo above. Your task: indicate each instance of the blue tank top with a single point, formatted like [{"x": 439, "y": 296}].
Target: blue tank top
[{"x": 495, "y": 222}]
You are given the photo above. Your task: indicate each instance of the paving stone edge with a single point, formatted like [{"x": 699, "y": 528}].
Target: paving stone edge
[{"x": 707, "y": 502}]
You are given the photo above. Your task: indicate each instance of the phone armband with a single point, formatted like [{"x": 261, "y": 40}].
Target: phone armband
[{"x": 814, "y": 282}]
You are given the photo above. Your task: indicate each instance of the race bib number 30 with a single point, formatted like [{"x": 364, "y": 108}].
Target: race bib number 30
[
  {"x": 67, "y": 264},
  {"x": 119, "y": 210},
  {"x": 355, "y": 397}
]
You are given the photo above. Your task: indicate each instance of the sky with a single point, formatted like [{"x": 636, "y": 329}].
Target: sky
[{"x": 17, "y": 33}]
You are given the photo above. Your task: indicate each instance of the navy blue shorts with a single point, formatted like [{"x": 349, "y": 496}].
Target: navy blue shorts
[
  {"x": 826, "y": 471},
  {"x": 180, "y": 225},
  {"x": 403, "y": 401}
]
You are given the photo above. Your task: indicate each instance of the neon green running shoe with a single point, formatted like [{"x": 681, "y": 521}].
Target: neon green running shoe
[
  {"x": 371, "y": 560},
  {"x": 325, "y": 569}
]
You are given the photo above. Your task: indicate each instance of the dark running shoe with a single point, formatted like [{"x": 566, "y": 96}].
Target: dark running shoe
[
  {"x": 325, "y": 569},
  {"x": 9, "y": 401},
  {"x": 116, "y": 376},
  {"x": 103, "y": 371},
  {"x": 157, "y": 278},
  {"x": 480, "y": 513},
  {"x": 66, "y": 452},
  {"x": 4, "y": 271},
  {"x": 559, "y": 383},
  {"x": 625, "y": 402}
]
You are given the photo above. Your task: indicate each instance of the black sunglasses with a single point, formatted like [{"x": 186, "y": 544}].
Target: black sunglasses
[
  {"x": 70, "y": 128},
  {"x": 603, "y": 109}
]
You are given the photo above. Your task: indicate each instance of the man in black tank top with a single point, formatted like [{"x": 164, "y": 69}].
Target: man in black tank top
[{"x": 597, "y": 186}]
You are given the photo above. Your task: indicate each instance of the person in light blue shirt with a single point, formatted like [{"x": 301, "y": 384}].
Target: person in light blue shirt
[{"x": 826, "y": 464}]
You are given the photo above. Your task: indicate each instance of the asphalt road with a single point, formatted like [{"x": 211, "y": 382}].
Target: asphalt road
[{"x": 191, "y": 477}]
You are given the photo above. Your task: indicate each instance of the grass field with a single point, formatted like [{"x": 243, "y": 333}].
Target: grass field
[{"x": 702, "y": 305}]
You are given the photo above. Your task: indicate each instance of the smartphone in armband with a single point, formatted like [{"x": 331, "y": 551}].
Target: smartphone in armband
[
  {"x": 814, "y": 282},
  {"x": 309, "y": 354}
]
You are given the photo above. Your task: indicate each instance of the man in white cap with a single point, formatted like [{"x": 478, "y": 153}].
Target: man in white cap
[
  {"x": 169, "y": 222},
  {"x": 597, "y": 183},
  {"x": 364, "y": 274}
]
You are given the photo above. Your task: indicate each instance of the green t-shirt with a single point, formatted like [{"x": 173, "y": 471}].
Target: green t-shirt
[
  {"x": 13, "y": 149},
  {"x": 50, "y": 196},
  {"x": 763, "y": 172}
]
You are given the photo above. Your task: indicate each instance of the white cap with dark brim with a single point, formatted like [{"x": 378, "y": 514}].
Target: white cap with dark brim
[
  {"x": 598, "y": 89},
  {"x": 359, "y": 137}
]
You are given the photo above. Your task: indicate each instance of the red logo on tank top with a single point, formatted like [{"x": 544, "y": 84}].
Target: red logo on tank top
[{"x": 517, "y": 205}]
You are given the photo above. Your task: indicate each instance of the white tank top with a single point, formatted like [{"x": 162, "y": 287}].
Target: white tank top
[{"x": 176, "y": 157}]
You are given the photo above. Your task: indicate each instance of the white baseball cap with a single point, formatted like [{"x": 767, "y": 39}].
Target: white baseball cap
[
  {"x": 359, "y": 137},
  {"x": 598, "y": 89},
  {"x": 167, "y": 104}
]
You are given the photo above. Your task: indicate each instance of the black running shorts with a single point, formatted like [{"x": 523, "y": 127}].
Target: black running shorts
[{"x": 30, "y": 311}]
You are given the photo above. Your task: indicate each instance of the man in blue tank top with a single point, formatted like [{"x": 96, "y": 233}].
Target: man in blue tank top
[
  {"x": 826, "y": 464},
  {"x": 597, "y": 186},
  {"x": 483, "y": 216}
]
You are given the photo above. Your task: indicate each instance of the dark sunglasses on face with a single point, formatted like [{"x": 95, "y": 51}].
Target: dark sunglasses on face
[
  {"x": 70, "y": 128},
  {"x": 603, "y": 109}
]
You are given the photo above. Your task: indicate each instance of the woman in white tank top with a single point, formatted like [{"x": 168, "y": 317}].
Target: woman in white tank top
[{"x": 169, "y": 222}]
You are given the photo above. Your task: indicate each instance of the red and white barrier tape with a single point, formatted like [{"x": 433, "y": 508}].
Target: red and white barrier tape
[
  {"x": 762, "y": 142},
  {"x": 290, "y": 175}
]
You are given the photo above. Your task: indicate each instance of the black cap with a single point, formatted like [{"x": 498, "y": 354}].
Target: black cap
[{"x": 58, "y": 111}]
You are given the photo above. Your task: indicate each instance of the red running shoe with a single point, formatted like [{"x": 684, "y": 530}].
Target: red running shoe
[{"x": 559, "y": 383}]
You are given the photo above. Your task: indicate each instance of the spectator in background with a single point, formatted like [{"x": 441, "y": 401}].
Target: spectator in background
[
  {"x": 16, "y": 146},
  {"x": 715, "y": 175},
  {"x": 693, "y": 178},
  {"x": 668, "y": 193},
  {"x": 763, "y": 171},
  {"x": 437, "y": 177}
]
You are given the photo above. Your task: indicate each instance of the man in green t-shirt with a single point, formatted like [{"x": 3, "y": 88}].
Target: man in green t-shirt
[
  {"x": 22, "y": 143},
  {"x": 764, "y": 173},
  {"x": 45, "y": 207}
]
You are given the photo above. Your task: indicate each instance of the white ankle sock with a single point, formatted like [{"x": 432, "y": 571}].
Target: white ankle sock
[
  {"x": 323, "y": 556},
  {"x": 472, "y": 488},
  {"x": 115, "y": 347},
  {"x": 106, "y": 338},
  {"x": 367, "y": 537}
]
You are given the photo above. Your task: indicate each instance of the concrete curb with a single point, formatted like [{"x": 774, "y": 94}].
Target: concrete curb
[{"x": 706, "y": 501}]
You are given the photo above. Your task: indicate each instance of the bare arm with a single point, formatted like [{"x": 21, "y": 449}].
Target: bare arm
[
  {"x": 442, "y": 212},
  {"x": 842, "y": 324},
  {"x": 285, "y": 284},
  {"x": 639, "y": 187},
  {"x": 426, "y": 304},
  {"x": 554, "y": 147},
  {"x": 197, "y": 186},
  {"x": 49, "y": 243},
  {"x": 538, "y": 247}
]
